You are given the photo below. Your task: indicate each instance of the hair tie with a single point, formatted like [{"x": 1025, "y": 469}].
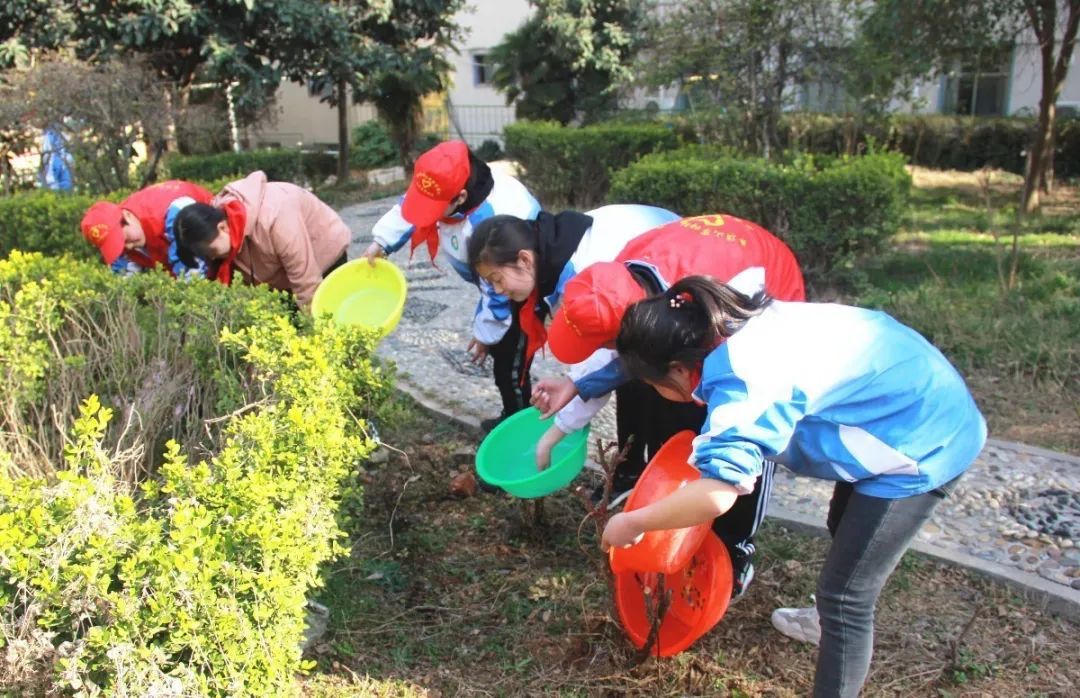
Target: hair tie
[{"x": 679, "y": 300}]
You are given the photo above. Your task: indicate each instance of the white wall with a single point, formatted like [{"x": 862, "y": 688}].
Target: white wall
[
  {"x": 485, "y": 23},
  {"x": 1026, "y": 86},
  {"x": 302, "y": 119}
]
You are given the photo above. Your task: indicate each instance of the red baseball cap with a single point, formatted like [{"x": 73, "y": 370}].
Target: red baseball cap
[
  {"x": 101, "y": 228},
  {"x": 591, "y": 311},
  {"x": 439, "y": 176}
]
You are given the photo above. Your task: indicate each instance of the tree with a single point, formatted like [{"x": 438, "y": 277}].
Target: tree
[
  {"x": 390, "y": 52},
  {"x": 329, "y": 58},
  {"x": 103, "y": 112},
  {"x": 744, "y": 55},
  {"x": 1047, "y": 19},
  {"x": 945, "y": 32},
  {"x": 405, "y": 59},
  {"x": 569, "y": 59},
  {"x": 32, "y": 25}
]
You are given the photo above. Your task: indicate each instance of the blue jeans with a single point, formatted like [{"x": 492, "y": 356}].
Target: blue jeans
[{"x": 870, "y": 536}]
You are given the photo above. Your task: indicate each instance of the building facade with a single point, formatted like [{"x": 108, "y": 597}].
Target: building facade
[{"x": 1006, "y": 84}]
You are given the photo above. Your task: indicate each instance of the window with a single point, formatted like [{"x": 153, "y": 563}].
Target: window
[
  {"x": 979, "y": 88},
  {"x": 482, "y": 69}
]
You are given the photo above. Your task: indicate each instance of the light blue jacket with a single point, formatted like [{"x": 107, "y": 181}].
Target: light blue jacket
[{"x": 838, "y": 393}]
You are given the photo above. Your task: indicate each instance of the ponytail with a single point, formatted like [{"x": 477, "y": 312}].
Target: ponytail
[{"x": 682, "y": 325}]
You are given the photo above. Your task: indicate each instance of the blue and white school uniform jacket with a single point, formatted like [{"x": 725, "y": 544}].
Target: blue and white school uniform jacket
[
  {"x": 837, "y": 393},
  {"x": 599, "y": 375},
  {"x": 508, "y": 197}
]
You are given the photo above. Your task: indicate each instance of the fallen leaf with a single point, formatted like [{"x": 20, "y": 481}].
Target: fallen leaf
[{"x": 464, "y": 485}]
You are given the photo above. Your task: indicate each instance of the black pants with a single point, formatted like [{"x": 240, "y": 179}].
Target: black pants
[
  {"x": 336, "y": 263},
  {"x": 509, "y": 366},
  {"x": 652, "y": 420},
  {"x": 294, "y": 307}
]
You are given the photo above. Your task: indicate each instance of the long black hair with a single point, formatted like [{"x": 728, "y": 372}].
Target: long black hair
[
  {"x": 682, "y": 325},
  {"x": 478, "y": 186},
  {"x": 496, "y": 241},
  {"x": 196, "y": 227}
]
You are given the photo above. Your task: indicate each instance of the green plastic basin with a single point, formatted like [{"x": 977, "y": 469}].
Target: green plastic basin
[
  {"x": 507, "y": 457},
  {"x": 357, "y": 293}
]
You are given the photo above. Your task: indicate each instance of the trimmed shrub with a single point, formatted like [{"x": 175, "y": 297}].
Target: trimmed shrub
[
  {"x": 189, "y": 578},
  {"x": 571, "y": 167},
  {"x": 279, "y": 164},
  {"x": 372, "y": 146},
  {"x": 1067, "y": 147},
  {"x": 940, "y": 141},
  {"x": 48, "y": 221},
  {"x": 829, "y": 211},
  {"x": 489, "y": 151}
]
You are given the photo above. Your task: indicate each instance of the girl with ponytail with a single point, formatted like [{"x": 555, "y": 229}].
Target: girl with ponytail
[{"x": 830, "y": 391}]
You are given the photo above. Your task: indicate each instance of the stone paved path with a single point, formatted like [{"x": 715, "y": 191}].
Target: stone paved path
[{"x": 1016, "y": 514}]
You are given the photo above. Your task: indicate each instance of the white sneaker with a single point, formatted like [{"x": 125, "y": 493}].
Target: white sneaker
[{"x": 798, "y": 623}]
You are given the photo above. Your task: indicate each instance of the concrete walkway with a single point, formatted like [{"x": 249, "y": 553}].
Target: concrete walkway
[{"x": 1015, "y": 515}]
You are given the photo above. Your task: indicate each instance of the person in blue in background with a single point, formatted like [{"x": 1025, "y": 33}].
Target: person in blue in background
[
  {"x": 829, "y": 391},
  {"x": 56, "y": 162},
  {"x": 452, "y": 191}
]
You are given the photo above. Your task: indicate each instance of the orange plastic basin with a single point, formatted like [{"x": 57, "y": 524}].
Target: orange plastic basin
[
  {"x": 700, "y": 595},
  {"x": 662, "y": 551}
]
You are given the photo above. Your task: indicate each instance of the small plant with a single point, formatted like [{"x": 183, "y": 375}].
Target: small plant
[
  {"x": 657, "y": 596},
  {"x": 968, "y": 668},
  {"x": 490, "y": 150},
  {"x": 1008, "y": 279}
]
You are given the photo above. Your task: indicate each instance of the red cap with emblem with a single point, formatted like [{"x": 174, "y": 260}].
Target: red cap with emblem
[
  {"x": 101, "y": 228},
  {"x": 438, "y": 177},
  {"x": 591, "y": 311}
]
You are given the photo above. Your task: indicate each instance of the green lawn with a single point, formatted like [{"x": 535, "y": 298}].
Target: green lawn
[{"x": 946, "y": 275}]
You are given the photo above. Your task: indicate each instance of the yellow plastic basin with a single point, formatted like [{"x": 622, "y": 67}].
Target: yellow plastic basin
[{"x": 357, "y": 293}]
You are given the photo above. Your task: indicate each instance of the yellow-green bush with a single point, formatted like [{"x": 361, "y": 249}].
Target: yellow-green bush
[{"x": 190, "y": 579}]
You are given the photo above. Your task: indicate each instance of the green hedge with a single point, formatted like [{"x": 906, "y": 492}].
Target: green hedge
[
  {"x": 829, "y": 211},
  {"x": 937, "y": 141},
  {"x": 931, "y": 140},
  {"x": 565, "y": 166},
  {"x": 190, "y": 577},
  {"x": 48, "y": 222},
  {"x": 280, "y": 165},
  {"x": 1067, "y": 147}
]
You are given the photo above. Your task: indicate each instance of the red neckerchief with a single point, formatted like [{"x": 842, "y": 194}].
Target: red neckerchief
[
  {"x": 236, "y": 215},
  {"x": 534, "y": 330},
  {"x": 430, "y": 233},
  {"x": 695, "y": 381}
]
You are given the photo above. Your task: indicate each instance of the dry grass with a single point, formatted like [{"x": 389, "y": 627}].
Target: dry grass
[
  {"x": 470, "y": 600},
  {"x": 1006, "y": 186}
]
